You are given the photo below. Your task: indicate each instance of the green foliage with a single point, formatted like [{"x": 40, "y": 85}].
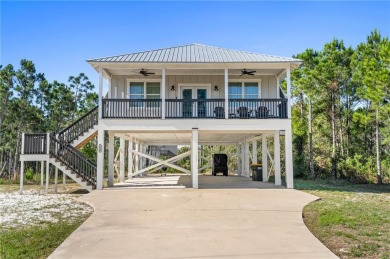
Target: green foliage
[
  {"x": 342, "y": 97},
  {"x": 185, "y": 162},
  {"x": 89, "y": 150},
  {"x": 29, "y": 174},
  {"x": 29, "y": 103}
]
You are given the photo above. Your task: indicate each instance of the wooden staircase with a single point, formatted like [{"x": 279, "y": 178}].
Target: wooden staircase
[
  {"x": 63, "y": 149},
  {"x": 85, "y": 138},
  {"x": 75, "y": 177}
]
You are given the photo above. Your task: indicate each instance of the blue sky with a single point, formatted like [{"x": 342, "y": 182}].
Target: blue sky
[{"x": 59, "y": 36}]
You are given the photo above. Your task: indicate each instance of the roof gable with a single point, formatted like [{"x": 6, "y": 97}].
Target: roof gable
[{"x": 195, "y": 53}]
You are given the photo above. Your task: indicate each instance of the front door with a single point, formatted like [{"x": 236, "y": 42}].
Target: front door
[{"x": 193, "y": 104}]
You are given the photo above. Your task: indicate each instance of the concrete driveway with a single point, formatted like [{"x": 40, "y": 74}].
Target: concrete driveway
[{"x": 187, "y": 223}]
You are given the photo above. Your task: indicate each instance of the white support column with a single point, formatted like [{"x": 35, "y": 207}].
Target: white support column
[
  {"x": 239, "y": 160},
  {"x": 21, "y": 176},
  {"x": 130, "y": 160},
  {"x": 136, "y": 157},
  {"x": 55, "y": 180},
  {"x": 242, "y": 158},
  {"x": 111, "y": 139},
  {"x": 100, "y": 161},
  {"x": 121, "y": 160},
  {"x": 277, "y": 87},
  {"x": 278, "y": 177},
  {"x": 42, "y": 168},
  {"x": 163, "y": 90},
  {"x": 194, "y": 158},
  {"x": 226, "y": 81},
  {"x": 109, "y": 88},
  {"x": 254, "y": 151},
  {"x": 22, "y": 167},
  {"x": 47, "y": 176},
  {"x": 264, "y": 157},
  {"x": 246, "y": 161},
  {"x": 100, "y": 91},
  {"x": 289, "y": 158},
  {"x": 288, "y": 79},
  {"x": 22, "y": 151},
  {"x": 47, "y": 143}
]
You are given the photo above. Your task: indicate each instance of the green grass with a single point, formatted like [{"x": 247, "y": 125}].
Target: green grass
[
  {"x": 35, "y": 242},
  {"x": 353, "y": 220}
]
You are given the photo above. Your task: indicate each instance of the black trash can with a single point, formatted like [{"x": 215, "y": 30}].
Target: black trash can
[{"x": 257, "y": 172}]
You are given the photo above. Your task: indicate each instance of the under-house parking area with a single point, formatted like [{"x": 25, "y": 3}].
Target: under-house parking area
[{"x": 134, "y": 166}]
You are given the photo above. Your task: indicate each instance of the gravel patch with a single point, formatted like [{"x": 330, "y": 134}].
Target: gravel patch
[{"x": 35, "y": 208}]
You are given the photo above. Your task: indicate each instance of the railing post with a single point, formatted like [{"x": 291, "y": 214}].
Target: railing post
[
  {"x": 100, "y": 91},
  {"x": 163, "y": 94},
  {"x": 22, "y": 151},
  {"x": 226, "y": 94},
  {"x": 47, "y": 143},
  {"x": 288, "y": 92}
]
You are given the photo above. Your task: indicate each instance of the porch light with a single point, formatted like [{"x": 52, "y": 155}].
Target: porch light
[
  {"x": 172, "y": 88},
  {"x": 216, "y": 88}
]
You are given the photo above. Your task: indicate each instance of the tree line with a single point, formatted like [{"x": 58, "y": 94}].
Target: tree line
[
  {"x": 341, "y": 108},
  {"x": 30, "y": 103}
]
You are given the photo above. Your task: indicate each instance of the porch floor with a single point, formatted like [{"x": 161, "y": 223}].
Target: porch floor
[{"x": 205, "y": 182}]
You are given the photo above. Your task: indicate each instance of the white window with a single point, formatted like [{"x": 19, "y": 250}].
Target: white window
[
  {"x": 144, "y": 90},
  {"x": 243, "y": 90}
]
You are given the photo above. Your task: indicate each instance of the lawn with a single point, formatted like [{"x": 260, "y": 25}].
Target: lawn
[
  {"x": 351, "y": 220},
  {"x": 34, "y": 224}
]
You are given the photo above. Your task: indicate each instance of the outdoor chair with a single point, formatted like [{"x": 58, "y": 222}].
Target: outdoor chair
[
  {"x": 262, "y": 113},
  {"x": 219, "y": 112},
  {"x": 220, "y": 164},
  {"x": 243, "y": 112}
]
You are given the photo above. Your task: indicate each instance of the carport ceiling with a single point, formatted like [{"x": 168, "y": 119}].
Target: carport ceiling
[{"x": 184, "y": 138}]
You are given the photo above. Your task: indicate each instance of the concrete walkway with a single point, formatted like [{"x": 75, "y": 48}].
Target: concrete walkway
[{"x": 186, "y": 223}]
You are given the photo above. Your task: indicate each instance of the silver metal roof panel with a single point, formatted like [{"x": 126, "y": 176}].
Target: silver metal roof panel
[{"x": 195, "y": 53}]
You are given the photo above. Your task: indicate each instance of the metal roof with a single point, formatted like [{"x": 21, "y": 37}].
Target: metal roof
[{"x": 195, "y": 53}]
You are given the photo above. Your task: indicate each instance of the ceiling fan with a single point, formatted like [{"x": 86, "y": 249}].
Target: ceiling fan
[
  {"x": 246, "y": 72},
  {"x": 145, "y": 72}
]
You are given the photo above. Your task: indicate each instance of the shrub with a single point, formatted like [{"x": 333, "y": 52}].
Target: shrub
[{"x": 29, "y": 174}]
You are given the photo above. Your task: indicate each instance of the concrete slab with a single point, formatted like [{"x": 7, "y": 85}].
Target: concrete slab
[
  {"x": 187, "y": 223},
  {"x": 205, "y": 182}
]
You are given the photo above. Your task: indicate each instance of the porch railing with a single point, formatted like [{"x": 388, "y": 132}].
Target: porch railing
[
  {"x": 80, "y": 126},
  {"x": 35, "y": 144},
  {"x": 131, "y": 108},
  {"x": 73, "y": 159},
  {"x": 194, "y": 108},
  {"x": 257, "y": 108}
]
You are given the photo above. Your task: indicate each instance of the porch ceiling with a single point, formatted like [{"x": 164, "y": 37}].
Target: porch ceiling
[
  {"x": 184, "y": 138},
  {"x": 237, "y": 72}
]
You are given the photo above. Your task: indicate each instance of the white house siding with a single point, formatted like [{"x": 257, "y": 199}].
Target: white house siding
[{"x": 119, "y": 84}]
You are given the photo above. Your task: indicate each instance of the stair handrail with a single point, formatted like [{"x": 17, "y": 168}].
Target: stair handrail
[
  {"x": 73, "y": 159},
  {"x": 80, "y": 126}
]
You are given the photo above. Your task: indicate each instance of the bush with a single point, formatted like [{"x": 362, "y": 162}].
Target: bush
[
  {"x": 29, "y": 175},
  {"x": 360, "y": 169}
]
